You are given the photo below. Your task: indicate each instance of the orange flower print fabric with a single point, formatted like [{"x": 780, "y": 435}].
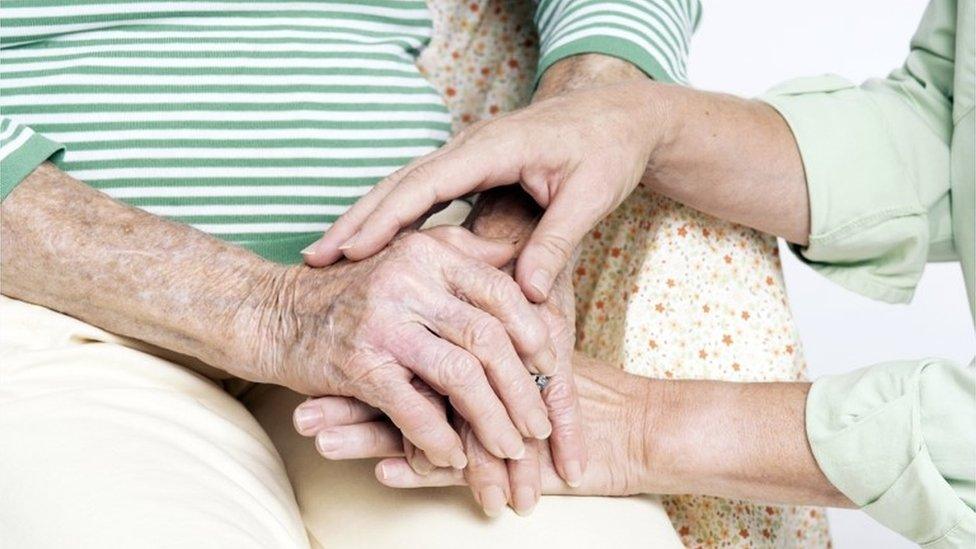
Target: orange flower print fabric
[{"x": 667, "y": 292}]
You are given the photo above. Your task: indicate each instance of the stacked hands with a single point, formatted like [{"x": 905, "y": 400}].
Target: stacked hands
[
  {"x": 448, "y": 311},
  {"x": 411, "y": 426},
  {"x": 475, "y": 339}
]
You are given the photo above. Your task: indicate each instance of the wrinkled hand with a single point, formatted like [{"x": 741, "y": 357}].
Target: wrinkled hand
[
  {"x": 418, "y": 311},
  {"x": 578, "y": 154},
  {"x": 495, "y": 482},
  {"x": 616, "y": 409}
]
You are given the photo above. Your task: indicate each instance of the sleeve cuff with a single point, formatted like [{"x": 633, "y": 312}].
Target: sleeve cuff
[
  {"x": 653, "y": 36},
  {"x": 23, "y": 158},
  {"x": 869, "y": 230},
  {"x": 878, "y": 441},
  {"x": 613, "y": 47}
]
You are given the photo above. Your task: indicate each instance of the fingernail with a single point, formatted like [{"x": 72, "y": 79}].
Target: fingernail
[
  {"x": 458, "y": 459},
  {"x": 389, "y": 471},
  {"x": 538, "y": 423},
  {"x": 540, "y": 281},
  {"x": 512, "y": 446},
  {"x": 349, "y": 243},
  {"x": 311, "y": 249},
  {"x": 307, "y": 417},
  {"x": 327, "y": 441},
  {"x": 525, "y": 500},
  {"x": 574, "y": 473},
  {"x": 492, "y": 500},
  {"x": 421, "y": 464}
]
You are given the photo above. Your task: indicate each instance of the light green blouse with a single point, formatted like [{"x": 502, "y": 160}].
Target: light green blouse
[{"x": 890, "y": 170}]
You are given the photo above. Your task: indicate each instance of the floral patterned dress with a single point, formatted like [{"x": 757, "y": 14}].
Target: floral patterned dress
[{"x": 662, "y": 290}]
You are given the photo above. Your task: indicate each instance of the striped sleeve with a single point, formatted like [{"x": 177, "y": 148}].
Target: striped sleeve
[
  {"x": 651, "y": 34},
  {"x": 21, "y": 150}
]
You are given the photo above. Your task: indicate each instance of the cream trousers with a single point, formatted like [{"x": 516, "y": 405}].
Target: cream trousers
[{"x": 106, "y": 442}]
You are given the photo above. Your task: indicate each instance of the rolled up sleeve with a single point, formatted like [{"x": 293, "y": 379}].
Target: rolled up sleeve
[
  {"x": 877, "y": 164},
  {"x": 651, "y": 34},
  {"x": 898, "y": 440}
]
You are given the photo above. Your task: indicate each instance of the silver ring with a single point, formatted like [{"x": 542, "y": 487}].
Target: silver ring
[{"x": 541, "y": 381}]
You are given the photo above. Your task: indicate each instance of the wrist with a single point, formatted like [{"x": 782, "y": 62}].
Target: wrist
[
  {"x": 242, "y": 318},
  {"x": 587, "y": 70},
  {"x": 671, "y": 440}
]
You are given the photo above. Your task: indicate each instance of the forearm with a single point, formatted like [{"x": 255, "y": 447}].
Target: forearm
[
  {"x": 733, "y": 440},
  {"x": 729, "y": 157},
  {"x": 73, "y": 249}
]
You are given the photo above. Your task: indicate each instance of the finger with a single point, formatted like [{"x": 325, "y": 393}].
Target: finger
[
  {"x": 455, "y": 173},
  {"x": 387, "y": 387},
  {"x": 551, "y": 245},
  {"x": 330, "y": 247},
  {"x": 327, "y": 250},
  {"x": 525, "y": 479},
  {"x": 486, "y": 475},
  {"x": 566, "y": 443},
  {"x": 496, "y": 253},
  {"x": 396, "y": 473},
  {"x": 453, "y": 372},
  {"x": 415, "y": 456},
  {"x": 485, "y": 338},
  {"x": 375, "y": 439},
  {"x": 316, "y": 414},
  {"x": 497, "y": 294}
]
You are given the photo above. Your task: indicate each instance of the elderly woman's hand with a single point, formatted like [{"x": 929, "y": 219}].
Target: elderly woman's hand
[
  {"x": 495, "y": 481},
  {"x": 422, "y": 309}
]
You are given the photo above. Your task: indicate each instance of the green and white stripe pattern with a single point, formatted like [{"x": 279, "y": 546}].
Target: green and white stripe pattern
[
  {"x": 256, "y": 121},
  {"x": 652, "y": 34}
]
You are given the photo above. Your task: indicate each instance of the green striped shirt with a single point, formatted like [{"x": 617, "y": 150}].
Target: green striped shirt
[{"x": 259, "y": 122}]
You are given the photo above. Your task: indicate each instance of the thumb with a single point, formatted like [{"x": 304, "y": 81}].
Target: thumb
[
  {"x": 496, "y": 253},
  {"x": 551, "y": 245}
]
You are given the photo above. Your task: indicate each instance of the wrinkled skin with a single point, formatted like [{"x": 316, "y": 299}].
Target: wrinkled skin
[
  {"x": 379, "y": 328},
  {"x": 495, "y": 482}
]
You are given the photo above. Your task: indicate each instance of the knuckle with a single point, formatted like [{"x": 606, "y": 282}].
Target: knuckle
[
  {"x": 518, "y": 387},
  {"x": 504, "y": 291},
  {"x": 416, "y": 242},
  {"x": 560, "y": 397},
  {"x": 458, "y": 370},
  {"x": 556, "y": 246},
  {"x": 485, "y": 331}
]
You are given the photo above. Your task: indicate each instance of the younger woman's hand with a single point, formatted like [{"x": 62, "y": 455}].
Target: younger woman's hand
[{"x": 578, "y": 154}]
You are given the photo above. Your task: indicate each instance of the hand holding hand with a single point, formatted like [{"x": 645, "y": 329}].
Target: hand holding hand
[{"x": 616, "y": 408}]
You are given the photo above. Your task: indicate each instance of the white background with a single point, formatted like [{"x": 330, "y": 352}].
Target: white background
[{"x": 745, "y": 47}]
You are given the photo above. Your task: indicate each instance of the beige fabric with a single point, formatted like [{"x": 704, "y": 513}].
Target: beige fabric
[{"x": 105, "y": 444}]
